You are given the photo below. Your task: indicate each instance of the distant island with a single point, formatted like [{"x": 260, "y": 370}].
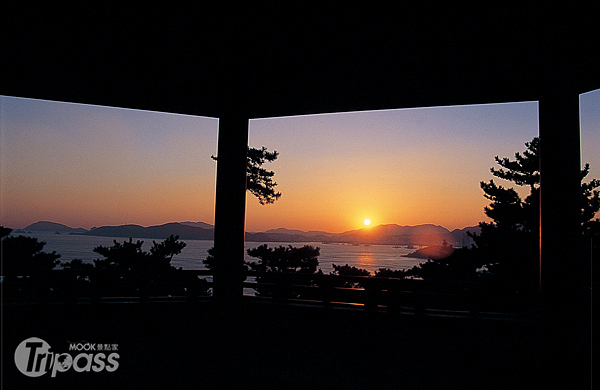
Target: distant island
[
  {"x": 50, "y": 227},
  {"x": 434, "y": 252},
  {"x": 391, "y": 234}
]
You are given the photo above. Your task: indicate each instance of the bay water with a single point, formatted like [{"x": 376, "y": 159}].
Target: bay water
[{"x": 371, "y": 257}]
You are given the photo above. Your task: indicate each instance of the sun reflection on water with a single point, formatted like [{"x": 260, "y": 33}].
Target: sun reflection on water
[{"x": 365, "y": 259}]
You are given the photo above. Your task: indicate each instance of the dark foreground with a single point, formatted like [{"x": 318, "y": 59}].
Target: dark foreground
[{"x": 263, "y": 346}]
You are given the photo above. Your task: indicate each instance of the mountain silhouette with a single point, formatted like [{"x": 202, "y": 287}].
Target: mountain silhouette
[
  {"x": 51, "y": 227},
  {"x": 390, "y": 234},
  {"x": 185, "y": 232},
  {"x": 202, "y": 225},
  {"x": 426, "y": 234}
]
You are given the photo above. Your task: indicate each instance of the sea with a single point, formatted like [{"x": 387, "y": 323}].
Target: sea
[{"x": 369, "y": 257}]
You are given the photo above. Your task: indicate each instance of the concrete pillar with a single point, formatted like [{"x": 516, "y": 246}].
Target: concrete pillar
[
  {"x": 230, "y": 207},
  {"x": 560, "y": 263}
]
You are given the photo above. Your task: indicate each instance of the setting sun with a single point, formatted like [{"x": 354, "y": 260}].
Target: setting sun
[{"x": 367, "y": 222}]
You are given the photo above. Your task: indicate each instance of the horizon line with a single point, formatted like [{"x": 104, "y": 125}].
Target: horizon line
[{"x": 263, "y": 231}]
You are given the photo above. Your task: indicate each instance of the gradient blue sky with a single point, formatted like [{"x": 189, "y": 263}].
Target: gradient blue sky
[{"x": 87, "y": 166}]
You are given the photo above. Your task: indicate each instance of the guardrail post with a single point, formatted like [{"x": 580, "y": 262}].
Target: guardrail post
[
  {"x": 371, "y": 295},
  {"x": 476, "y": 297},
  {"x": 69, "y": 286},
  {"x": 326, "y": 290},
  {"x": 393, "y": 298},
  {"x": 419, "y": 298},
  {"x": 283, "y": 288}
]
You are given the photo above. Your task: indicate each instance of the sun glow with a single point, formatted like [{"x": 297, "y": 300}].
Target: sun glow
[{"x": 367, "y": 222}]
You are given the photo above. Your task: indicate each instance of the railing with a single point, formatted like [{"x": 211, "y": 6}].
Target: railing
[
  {"x": 372, "y": 294},
  {"x": 80, "y": 286},
  {"x": 393, "y": 295}
]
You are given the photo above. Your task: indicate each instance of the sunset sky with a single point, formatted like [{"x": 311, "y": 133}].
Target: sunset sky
[{"x": 87, "y": 166}]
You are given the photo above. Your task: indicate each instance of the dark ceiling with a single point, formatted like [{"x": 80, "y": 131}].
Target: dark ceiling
[{"x": 271, "y": 60}]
